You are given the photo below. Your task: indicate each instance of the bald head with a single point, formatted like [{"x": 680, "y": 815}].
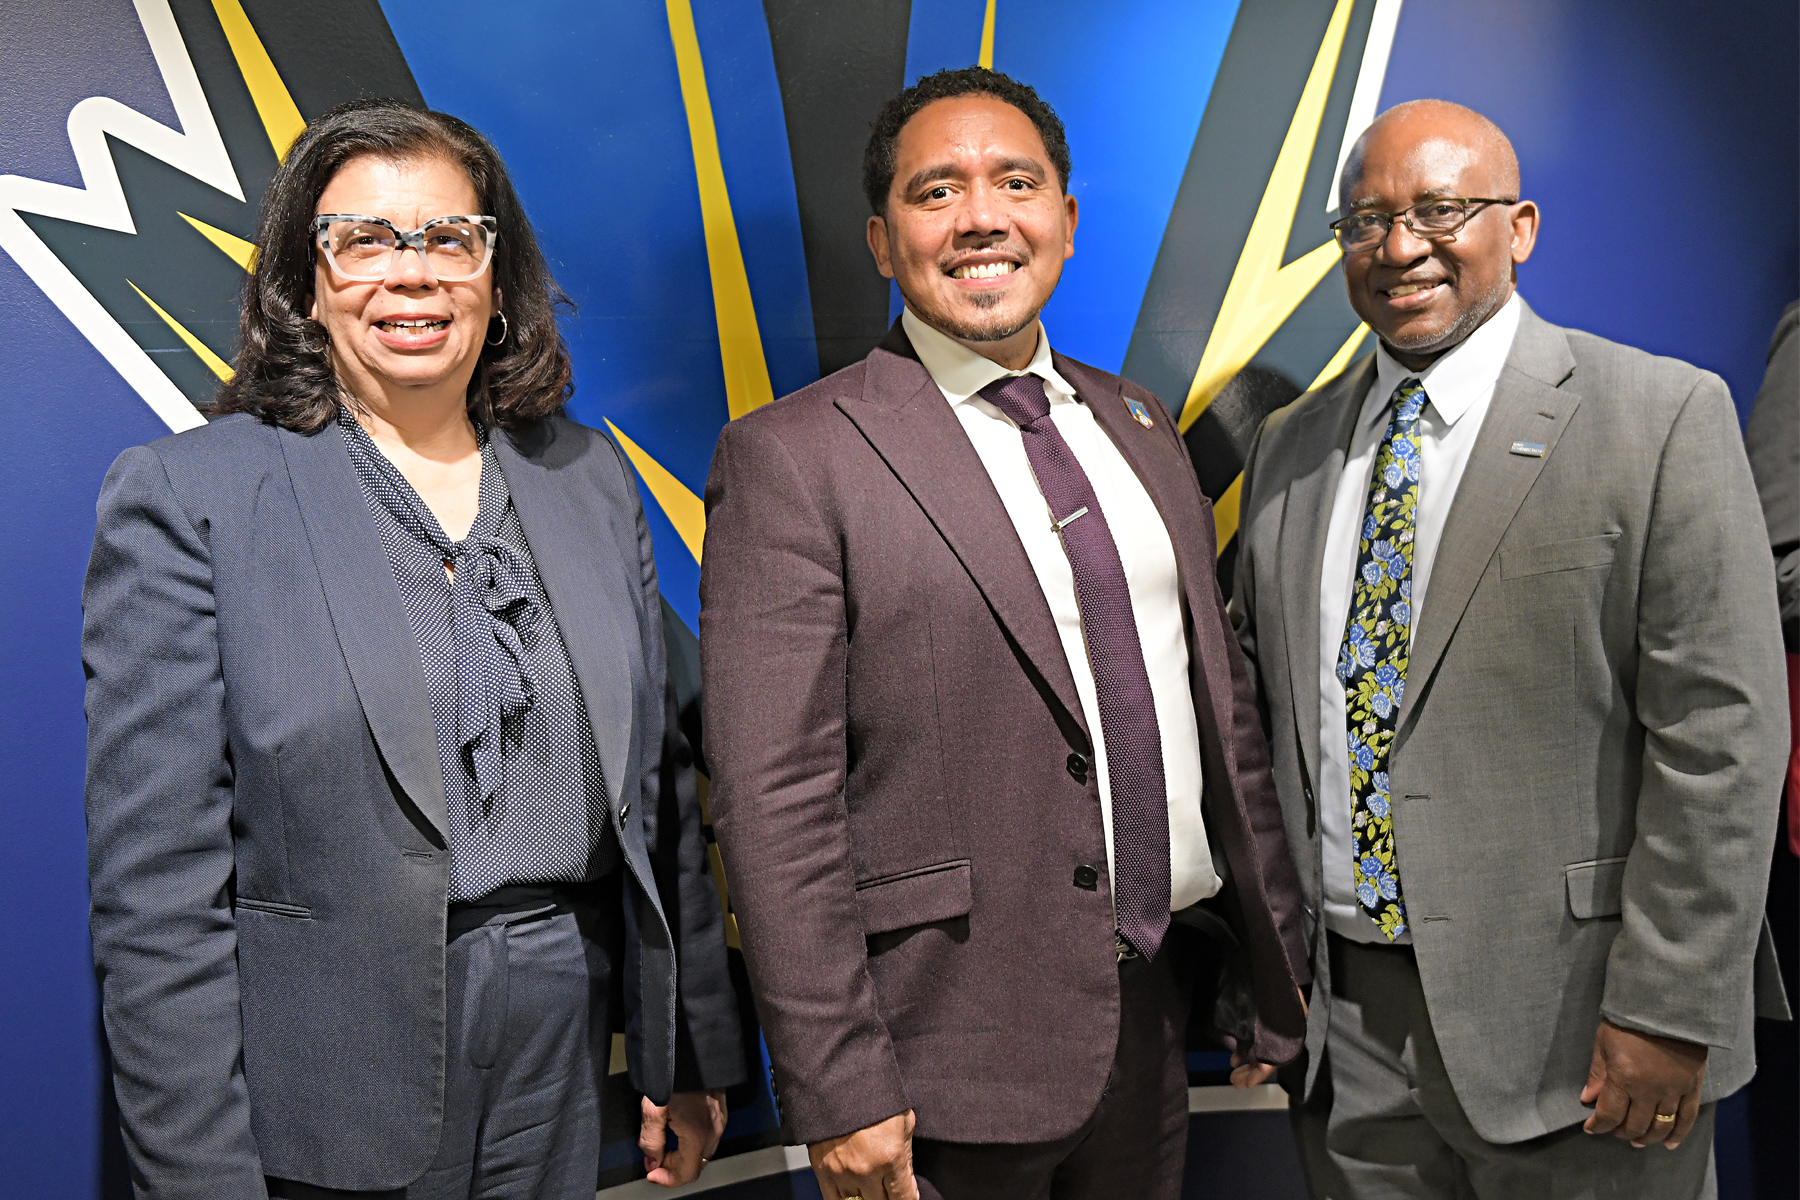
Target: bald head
[
  {"x": 1424, "y": 292},
  {"x": 1437, "y": 137}
]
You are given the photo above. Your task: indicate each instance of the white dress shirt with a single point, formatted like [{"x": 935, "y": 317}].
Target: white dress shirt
[
  {"x": 1144, "y": 549},
  {"x": 1458, "y": 387}
]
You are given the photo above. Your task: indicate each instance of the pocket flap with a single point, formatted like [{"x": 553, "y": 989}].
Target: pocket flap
[
  {"x": 917, "y": 897},
  {"x": 273, "y": 907},
  {"x": 1572, "y": 555},
  {"x": 1596, "y": 889}
]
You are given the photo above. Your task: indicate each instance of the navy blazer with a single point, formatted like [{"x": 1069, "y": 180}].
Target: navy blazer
[{"x": 267, "y": 839}]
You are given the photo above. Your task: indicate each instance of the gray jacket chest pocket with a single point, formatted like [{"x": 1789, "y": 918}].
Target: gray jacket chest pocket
[
  {"x": 1576, "y": 554},
  {"x": 1597, "y": 888}
]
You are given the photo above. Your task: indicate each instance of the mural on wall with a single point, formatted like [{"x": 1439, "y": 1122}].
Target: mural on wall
[
  {"x": 693, "y": 170},
  {"x": 1205, "y": 179}
]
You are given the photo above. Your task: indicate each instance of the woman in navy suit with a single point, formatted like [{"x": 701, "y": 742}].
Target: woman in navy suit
[{"x": 386, "y": 808}]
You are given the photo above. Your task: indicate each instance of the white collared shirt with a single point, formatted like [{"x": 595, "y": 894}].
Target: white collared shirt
[
  {"x": 1458, "y": 387},
  {"x": 1144, "y": 549}
]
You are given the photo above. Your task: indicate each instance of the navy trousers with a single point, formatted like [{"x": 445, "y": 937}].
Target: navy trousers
[{"x": 528, "y": 973}]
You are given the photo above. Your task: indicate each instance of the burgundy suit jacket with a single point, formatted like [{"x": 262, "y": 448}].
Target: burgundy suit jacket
[{"x": 898, "y": 757}]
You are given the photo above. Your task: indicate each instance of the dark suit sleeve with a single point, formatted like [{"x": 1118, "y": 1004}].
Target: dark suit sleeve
[
  {"x": 708, "y": 1042},
  {"x": 1242, "y": 608},
  {"x": 159, "y": 801},
  {"x": 1772, "y": 438},
  {"x": 1269, "y": 892},
  {"x": 1281, "y": 1022},
  {"x": 1709, "y": 692},
  {"x": 773, "y": 645}
]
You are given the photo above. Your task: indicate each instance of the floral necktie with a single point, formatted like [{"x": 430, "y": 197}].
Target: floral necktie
[{"x": 1372, "y": 661}]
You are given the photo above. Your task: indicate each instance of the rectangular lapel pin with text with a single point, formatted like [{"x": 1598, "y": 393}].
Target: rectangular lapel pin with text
[
  {"x": 1529, "y": 449},
  {"x": 1139, "y": 411}
]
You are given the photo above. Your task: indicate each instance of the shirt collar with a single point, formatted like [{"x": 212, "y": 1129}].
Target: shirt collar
[
  {"x": 960, "y": 373},
  {"x": 1459, "y": 379}
]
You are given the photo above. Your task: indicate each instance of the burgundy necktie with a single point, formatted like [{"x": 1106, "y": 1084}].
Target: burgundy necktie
[{"x": 1133, "y": 743}]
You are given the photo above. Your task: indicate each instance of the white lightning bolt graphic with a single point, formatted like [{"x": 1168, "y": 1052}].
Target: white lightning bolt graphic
[
  {"x": 1368, "y": 87},
  {"x": 100, "y": 202}
]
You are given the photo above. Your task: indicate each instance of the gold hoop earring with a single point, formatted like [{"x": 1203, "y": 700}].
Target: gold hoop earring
[{"x": 505, "y": 331}]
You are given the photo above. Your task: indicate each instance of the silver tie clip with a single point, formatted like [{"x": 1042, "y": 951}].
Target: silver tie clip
[
  {"x": 1529, "y": 449},
  {"x": 1059, "y": 526}
]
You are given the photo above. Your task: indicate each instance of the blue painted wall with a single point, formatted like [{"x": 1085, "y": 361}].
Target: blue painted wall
[
  {"x": 68, "y": 415},
  {"x": 1660, "y": 137}
]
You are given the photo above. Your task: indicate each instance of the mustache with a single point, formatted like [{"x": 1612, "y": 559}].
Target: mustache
[{"x": 949, "y": 262}]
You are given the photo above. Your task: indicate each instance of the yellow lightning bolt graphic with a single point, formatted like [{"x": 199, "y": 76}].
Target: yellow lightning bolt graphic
[
  {"x": 986, "y": 58},
  {"x": 740, "y": 345},
  {"x": 214, "y": 363},
  {"x": 280, "y": 116},
  {"x": 686, "y": 511},
  {"x": 1340, "y": 360},
  {"x": 1263, "y": 293},
  {"x": 1225, "y": 508},
  {"x": 281, "y": 121},
  {"x": 236, "y": 248},
  {"x": 1225, "y": 513}
]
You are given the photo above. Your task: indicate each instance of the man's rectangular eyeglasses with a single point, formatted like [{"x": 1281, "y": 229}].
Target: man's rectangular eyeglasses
[
  {"x": 1429, "y": 219},
  {"x": 453, "y": 248}
]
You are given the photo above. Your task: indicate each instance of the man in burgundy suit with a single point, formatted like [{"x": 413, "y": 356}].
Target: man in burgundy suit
[{"x": 976, "y": 719}]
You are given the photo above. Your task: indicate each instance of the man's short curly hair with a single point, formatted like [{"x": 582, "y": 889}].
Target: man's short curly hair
[{"x": 878, "y": 157}]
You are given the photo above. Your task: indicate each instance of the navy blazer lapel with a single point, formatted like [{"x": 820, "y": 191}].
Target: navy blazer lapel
[
  {"x": 583, "y": 575},
  {"x": 910, "y": 425},
  {"x": 378, "y": 642},
  {"x": 1529, "y": 404},
  {"x": 1320, "y": 442}
]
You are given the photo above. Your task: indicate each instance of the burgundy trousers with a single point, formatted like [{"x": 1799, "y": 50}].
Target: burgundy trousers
[{"x": 1135, "y": 1141}]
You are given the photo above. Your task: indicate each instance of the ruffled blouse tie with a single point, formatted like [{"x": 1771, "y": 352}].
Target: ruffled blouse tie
[{"x": 491, "y": 604}]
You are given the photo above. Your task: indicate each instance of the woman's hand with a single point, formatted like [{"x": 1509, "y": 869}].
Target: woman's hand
[
  {"x": 698, "y": 1121},
  {"x": 1248, "y": 1074}
]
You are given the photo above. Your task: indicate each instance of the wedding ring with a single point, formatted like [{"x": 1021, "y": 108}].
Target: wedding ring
[{"x": 1660, "y": 1117}]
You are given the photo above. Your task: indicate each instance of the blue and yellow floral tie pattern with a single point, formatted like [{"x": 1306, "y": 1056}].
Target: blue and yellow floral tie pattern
[{"x": 1372, "y": 661}]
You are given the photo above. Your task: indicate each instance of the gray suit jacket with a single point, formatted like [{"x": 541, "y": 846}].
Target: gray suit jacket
[
  {"x": 901, "y": 778},
  {"x": 1589, "y": 755},
  {"x": 267, "y": 838}
]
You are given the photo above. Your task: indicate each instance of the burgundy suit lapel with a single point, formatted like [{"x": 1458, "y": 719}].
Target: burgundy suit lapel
[
  {"x": 906, "y": 420},
  {"x": 1159, "y": 461}
]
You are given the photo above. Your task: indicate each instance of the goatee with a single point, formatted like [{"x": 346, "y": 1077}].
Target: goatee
[{"x": 994, "y": 328}]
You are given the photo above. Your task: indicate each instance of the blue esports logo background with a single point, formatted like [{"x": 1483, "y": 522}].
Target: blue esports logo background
[{"x": 691, "y": 166}]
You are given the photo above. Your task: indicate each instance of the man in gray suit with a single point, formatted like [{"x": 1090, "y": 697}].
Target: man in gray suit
[{"x": 1531, "y": 807}]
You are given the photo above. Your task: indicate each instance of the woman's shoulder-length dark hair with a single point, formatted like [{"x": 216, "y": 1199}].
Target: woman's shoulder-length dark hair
[{"x": 283, "y": 374}]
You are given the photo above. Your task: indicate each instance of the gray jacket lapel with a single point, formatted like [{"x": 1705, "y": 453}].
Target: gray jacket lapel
[
  {"x": 908, "y": 423},
  {"x": 378, "y": 642},
  {"x": 562, "y": 527},
  {"x": 1319, "y": 444},
  {"x": 1529, "y": 404}
]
